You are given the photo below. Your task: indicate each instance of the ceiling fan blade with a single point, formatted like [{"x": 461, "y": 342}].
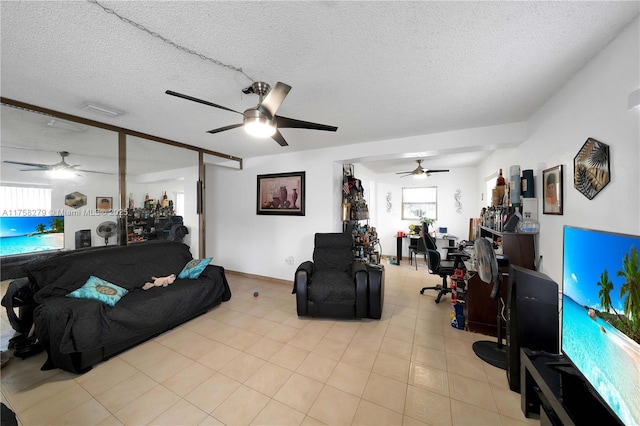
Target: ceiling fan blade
[
  {"x": 222, "y": 129},
  {"x": 191, "y": 98},
  {"x": 402, "y": 173},
  {"x": 33, "y": 170},
  {"x": 274, "y": 98},
  {"x": 435, "y": 171},
  {"x": 93, "y": 171},
  {"x": 42, "y": 166},
  {"x": 278, "y": 138},
  {"x": 283, "y": 122}
]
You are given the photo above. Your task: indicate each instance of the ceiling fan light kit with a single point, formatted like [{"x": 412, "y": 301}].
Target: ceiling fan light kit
[
  {"x": 420, "y": 172},
  {"x": 261, "y": 121}
]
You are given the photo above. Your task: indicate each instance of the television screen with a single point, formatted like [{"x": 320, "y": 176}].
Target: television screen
[
  {"x": 28, "y": 234},
  {"x": 601, "y": 315}
]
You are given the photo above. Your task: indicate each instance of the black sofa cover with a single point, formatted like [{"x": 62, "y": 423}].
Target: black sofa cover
[{"x": 78, "y": 333}]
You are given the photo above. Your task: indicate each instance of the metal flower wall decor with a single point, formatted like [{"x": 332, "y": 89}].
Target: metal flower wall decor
[{"x": 591, "y": 168}]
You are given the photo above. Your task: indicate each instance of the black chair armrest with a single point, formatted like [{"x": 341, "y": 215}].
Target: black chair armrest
[{"x": 303, "y": 273}]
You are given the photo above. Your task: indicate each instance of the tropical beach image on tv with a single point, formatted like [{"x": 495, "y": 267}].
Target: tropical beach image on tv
[
  {"x": 601, "y": 315},
  {"x": 28, "y": 234}
]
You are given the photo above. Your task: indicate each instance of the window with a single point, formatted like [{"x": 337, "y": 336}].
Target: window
[
  {"x": 22, "y": 198},
  {"x": 179, "y": 207},
  {"x": 420, "y": 202}
]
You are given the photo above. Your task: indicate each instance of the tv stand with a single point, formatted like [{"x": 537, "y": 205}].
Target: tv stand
[{"x": 551, "y": 382}]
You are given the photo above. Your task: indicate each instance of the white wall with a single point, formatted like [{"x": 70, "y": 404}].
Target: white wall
[{"x": 592, "y": 104}]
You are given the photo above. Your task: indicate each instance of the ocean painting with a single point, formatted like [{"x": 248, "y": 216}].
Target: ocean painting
[{"x": 28, "y": 234}]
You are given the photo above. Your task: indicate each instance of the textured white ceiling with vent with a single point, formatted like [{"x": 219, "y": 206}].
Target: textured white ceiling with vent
[{"x": 377, "y": 70}]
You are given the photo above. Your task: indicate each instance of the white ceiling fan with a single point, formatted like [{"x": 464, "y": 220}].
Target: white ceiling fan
[
  {"x": 59, "y": 170},
  {"x": 420, "y": 172}
]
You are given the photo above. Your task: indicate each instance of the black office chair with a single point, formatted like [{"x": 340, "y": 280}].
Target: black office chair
[
  {"x": 418, "y": 249},
  {"x": 438, "y": 266}
]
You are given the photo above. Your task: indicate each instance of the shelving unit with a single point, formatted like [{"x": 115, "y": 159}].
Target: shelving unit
[{"x": 355, "y": 220}]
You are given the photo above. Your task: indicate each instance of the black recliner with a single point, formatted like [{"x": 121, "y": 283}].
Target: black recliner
[{"x": 335, "y": 285}]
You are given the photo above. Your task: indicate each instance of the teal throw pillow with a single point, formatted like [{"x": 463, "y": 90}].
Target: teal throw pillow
[
  {"x": 98, "y": 289},
  {"x": 194, "y": 268}
]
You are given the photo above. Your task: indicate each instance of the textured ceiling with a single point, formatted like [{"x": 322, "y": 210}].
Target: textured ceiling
[{"x": 377, "y": 70}]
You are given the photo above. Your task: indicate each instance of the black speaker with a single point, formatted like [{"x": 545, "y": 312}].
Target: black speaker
[
  {"x": 532, "y": 318},
  {"x": 83, "y": 238}
]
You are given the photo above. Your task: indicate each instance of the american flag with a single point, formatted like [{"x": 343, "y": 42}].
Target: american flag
[{"x": 345, "y": 188}]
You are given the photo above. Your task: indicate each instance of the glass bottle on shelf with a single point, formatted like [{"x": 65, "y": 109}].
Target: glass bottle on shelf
[
  {"x": 500, "y": 181},
  {"x": 165, "y": 200}
]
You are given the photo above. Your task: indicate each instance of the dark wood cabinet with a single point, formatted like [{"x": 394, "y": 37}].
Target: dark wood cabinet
[{"x": 481, "y": 309}]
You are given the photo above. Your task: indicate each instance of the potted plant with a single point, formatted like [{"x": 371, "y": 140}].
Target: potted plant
[{"x": 427, "y": 221}]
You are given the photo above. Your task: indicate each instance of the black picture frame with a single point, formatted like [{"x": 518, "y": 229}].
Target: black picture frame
[
  {"x": 591, "y": 170},
  {"x": 281, "y": 194},
  {"x": 552, "y": 190}
]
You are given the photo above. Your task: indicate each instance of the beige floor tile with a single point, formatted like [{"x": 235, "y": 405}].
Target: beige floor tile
[
  {"x": 400, "y": 333},
  {"x": 268, "y": 379},
  {"x": 331, "y": 348},
  {"x": 427, "y": 407},
  {"x": 56, "y": 406},
  {"x": 188, "y": 378},
  {"x": 278, "y": 414},
  {"x": 344, "y": 331},
  {"x": 317, "y": 367},
  {"x": 144, "y": 409},
  {"x": 508, "y": 402},
  {"x": 210, "y": 421},
  {"x": 220, "y": 356},
  {"x": 242, "y": 406},
  {"x": 429, "y": 356},
  {"x": 25, "y": 394},
  {"x": 468, "y": 367},
  {"x": 243, "y": 339},
  {"x": 289, "y": 357},
  {"x": 471, "y": 391},
  {"x": 372, "y": 414},
  {"x": 305, "y": 340},
  {"x": 390, "y": 366},
  {"x": 242, "y": 367},
  {"x": 429, "y": 378},
  {"x": 396, "y": 348},
  {"x": 403, "y": 321},
  {"x": 124, "y": 392},
  {"x": 262, "y": 326},
  {"x": 265, "y": 348},
  {"x": 106, "y": 375},
  {"x": 282, "y": 333},
  {"x": 360, "y": 357},
  {"x": 386, "y": 392},
  {"x": 180, "y": 413},
  {"x": 349, "y": 378},
  {"x": 212, "y": 392},
  {"x": 187, "y": 343},
  {"x": 319, "y": 326},
  {"x": 466, "y": 414},
  {"x": 334, "y": 407},
  {"x": 299, "y": 392},
  {"x": 89, "y": 413},
  {"x": 155, "y": 360}
]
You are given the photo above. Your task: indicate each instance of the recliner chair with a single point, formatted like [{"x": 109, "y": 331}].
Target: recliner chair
[
  {"x": 335, "y": 285},
  {"x": 438, "y": 266}
]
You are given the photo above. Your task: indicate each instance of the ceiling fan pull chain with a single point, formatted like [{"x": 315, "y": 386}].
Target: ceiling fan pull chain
[{"x": 168, "y": 41}]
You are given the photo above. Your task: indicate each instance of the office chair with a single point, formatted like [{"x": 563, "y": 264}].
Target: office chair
[{"x": 439, "y": 266}]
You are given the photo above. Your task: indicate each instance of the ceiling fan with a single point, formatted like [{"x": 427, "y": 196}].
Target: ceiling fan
[
  {"x": 262, "y": 121},
  {"x": 59, "y": 170},
  {"x": 420, "y": 172}
]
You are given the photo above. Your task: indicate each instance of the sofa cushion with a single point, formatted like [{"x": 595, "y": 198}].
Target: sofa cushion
[
  {"x": 98, "y": 289},
  {"x": 194, "y": 268},
  {"x": 332, "y": 287}
]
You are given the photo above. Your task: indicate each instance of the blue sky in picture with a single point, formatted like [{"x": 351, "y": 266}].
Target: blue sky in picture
[
  {"x": 587, "y": 253},
  {"x": 23, "y": 225}
]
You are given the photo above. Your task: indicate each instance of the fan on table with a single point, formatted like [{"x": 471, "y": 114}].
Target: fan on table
[
  {"x": 420, "y": 172},
  {"x": 107, "y": 230},
  {"x": 494, "y": 353},
  {"x": 261, "y": 121}
]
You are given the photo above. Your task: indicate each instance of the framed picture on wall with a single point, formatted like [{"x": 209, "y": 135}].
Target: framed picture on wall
[
  {"x": 281, "y": 194},
  {"x": 104, "y": 204},
  {"x": 552, "y": 189}
]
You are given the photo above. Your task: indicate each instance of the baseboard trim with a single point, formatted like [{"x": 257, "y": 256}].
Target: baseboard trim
[{"x": 262, "y": 277}]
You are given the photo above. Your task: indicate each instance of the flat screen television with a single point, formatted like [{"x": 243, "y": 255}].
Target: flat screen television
[
  {"x": 29, "y": 234},
  {"x": 601, "y": 315}
]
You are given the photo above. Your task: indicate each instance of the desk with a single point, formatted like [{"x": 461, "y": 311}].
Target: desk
[{"x": 441, "y": 242}]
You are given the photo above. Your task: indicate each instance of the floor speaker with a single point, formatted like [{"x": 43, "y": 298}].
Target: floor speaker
[
  {"x": 83, "y": 238},
  {"x": 532, "y": 318}
]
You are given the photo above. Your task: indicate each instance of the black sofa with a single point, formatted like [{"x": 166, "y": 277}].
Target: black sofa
[
  {"x": 78, "y": 333},
  {"x": 335, "y": 285}
]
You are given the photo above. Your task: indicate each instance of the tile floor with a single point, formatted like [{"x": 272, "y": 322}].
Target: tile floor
[{"x": 253, "y": 361}]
